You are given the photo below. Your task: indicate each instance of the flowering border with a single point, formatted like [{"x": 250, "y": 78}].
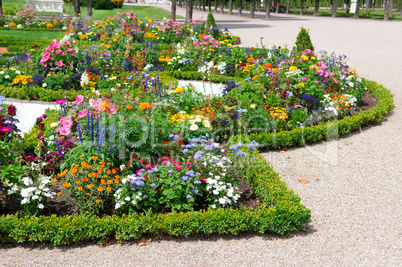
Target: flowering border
[
  {"x": 324, "y": 131},
  {"x": 281, "y": 213}
]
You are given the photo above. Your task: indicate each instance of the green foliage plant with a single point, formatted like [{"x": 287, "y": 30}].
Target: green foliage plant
[{"x": 303, "y": 41}]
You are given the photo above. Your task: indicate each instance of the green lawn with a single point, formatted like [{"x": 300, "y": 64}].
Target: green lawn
[{"x": 141, "y": 11}]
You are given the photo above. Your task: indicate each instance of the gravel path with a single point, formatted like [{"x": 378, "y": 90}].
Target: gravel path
[{"x": 354, "y": 188}]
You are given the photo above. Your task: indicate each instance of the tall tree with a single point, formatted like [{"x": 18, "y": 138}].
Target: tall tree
[
  {"x": 209, "y": 5},
  {"x": 240, "y": 7},
  {"x": 287, "y": 6},
  {"x": 252, "y": 8},
  {"x": 189, "y": 10},
  {"x": 268, "y": 10},
  {"x": 173, "y": 11},
  {"x": 317, "y": 7},
  {"x": 89, "y": 9},
  {"x": 230, "y": 7},
  {"x": 77, "y": 8},
  {"x": 222, "y": 6},
  {"x": 356, "y": 15},
  {"x": 216, "y": 6},
  {"x": 334, "y": 8},
  {"x": 294, "y": 6},
  {"x": 278, "y": 4}
]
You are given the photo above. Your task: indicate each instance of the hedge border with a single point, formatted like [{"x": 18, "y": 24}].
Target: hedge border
[
  {"x": 331, "y": 129},
  {"x": 281, "y": 213}
]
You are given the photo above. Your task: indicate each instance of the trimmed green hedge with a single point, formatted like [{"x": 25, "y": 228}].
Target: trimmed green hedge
[
  {"x": 281, "y": 213},
  {"x": 329, "y": 130}
]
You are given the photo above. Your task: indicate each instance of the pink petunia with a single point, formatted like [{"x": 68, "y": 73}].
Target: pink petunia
[
  {"x": 60, "y": 64},
  {"x": 82, "y": 114},
  {"x": 67, "y": 123},
  {"x": 78, "y": 99},
  {"x": 335, "y": 80},
  {"x": 65, "y": 131}
]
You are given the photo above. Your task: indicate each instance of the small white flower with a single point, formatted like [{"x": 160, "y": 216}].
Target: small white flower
[
  {"x": 44, "y": 85},
  {"x": 41, "y": 206},
  {"x": 127, "y": 198},
  {"x": 18, "y": 72},
  {"x": 1, "y": 72},
  {"x": 122, "y": 167},
  {"x": 27, "y": 181},
  {"x": 213, "y": 206},
  {"x": 351, "y": 84},
  {"x": 252, "y": 106},
  {"x": 35, "y": 197},
  {"x": 194, "y": 127},
  {"x": 7, "y": 76}
]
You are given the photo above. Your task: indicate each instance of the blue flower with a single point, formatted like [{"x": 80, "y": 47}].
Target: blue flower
[
  {"x": 170, "y": 171},
  {"x": 188, "y": 196},
  {"x": 153, "y": 185},
  {"x": 207, "y": 147},
  {"x": 195, "y": 191},
  {"x": 171, "y": 184},
  {"x": 197, "y": 182},
  {"x": 184, "y": 178},
  {"x": 185, "y": 151},
  {"x": 155, "y": 169},
  {"x": 190, "y": 173}
]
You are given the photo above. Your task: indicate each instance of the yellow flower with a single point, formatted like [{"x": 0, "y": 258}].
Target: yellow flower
[
  {"x": 292, "y": 68},
  {"x": 179, "y": 89}
]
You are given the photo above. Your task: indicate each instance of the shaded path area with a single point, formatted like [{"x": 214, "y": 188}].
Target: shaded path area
[{"x": 354, "y": 188}]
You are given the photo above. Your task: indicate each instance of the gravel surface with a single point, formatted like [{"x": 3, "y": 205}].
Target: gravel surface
[{"x": 354, "y": 188}]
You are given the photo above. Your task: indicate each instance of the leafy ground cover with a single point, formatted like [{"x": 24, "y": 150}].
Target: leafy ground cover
[{"x": 126, "y": 140}]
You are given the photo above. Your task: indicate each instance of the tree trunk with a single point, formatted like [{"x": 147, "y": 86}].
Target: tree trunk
[
  {"x": 316, "y": 7},
  {"x": 89, "y": 9},
  {"x": 252, "y": 7},
  {"x": 287, "y": 6},
  {"x": 367, "y": 6},
  {"x": 278, "y": 4},
  {"x": 334, "y": 8},
  {"x": 77, "y": 9},
  {"x": 216, "y": 6},
  {"x": 294, "y": 6},
  {"x": 230, "y": 7},
  {"x": 356, "y": 15},
  {"x": 301, "y": 7},
  {"x": 189, "y": 10},
  {"x": 240, "y": 7},
  {"x": 209, "y": 6},
  {"x": 347, "y": 7},
  {"x": 222, "y": 6},
  {"x": 173, "y": 11},
  {"x": 386, "y": 10},
  {"x": 268, "y": 10},
  {"x": 1, "y": 7}
]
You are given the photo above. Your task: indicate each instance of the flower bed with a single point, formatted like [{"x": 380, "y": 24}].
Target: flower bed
[{"x": 127, "y": 140}]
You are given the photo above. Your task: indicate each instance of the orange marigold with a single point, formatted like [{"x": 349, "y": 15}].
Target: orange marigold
[
  {"x": 80, "y": 188},
  {"x": 100, "y": 188},
  {"x": 109, "y": 189},
  {"x": 103, "y": 182},
  {"x": 90, "y": 186},
  {"x": 85, "y": 179},
  {"x": 145, "y": 106},
  {"x": 97, "y": 201}
]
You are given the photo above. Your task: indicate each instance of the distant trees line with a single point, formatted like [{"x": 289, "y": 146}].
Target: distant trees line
[{"x": 269, "y": 6}]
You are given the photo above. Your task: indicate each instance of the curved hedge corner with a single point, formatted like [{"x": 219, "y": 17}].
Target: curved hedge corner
[
  {"x": 281, "y": 212},
  {"x": 321, "y": 131}
]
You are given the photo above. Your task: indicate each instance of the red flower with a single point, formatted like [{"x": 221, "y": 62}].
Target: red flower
[{"x": 11, "y": 110}]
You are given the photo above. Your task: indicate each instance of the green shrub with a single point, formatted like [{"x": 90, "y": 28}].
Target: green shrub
[
  {"x": 210, "y": 22},
  {"x": 103, "y": 4},
  {"x": 303, "y": 41}
]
